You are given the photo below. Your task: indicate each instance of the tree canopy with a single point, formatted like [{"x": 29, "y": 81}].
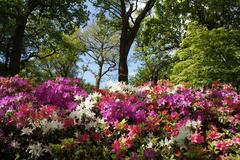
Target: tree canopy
[
  {"x": 28, "y": 24},
  {"x": 101, "y": 42},
  {"x": 58, "y": 60},
  {"x": 128, "y": 16},
  {"x": 192, "y": 41},
  {"x": 206, "y": 56}
]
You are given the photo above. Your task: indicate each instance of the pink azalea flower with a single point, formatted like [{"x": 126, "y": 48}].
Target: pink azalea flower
[
  {"x": 197, "y": 138},
  {"x": 222, "y": 145},
  {"x": 213, "y": 135},
  {"x": 116, "y": 146},
  {"x": 236, "y": 140}
]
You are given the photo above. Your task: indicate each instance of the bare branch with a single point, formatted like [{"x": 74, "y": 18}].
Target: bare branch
[{"x": 39, "y": 57}]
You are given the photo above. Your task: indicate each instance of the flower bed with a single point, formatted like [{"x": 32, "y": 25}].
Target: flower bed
[{"x": 59, "y": 120}]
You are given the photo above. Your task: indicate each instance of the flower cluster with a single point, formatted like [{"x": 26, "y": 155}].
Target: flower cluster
[
  {"x": 60, "y": 92},
  {"x": 153, "y": 121},
  {"x": 14, "y": 92},
  {"x": 117, "y": 107}
]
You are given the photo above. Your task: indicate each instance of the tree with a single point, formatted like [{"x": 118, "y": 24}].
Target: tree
[
  {"x": 208, "y": 55},
  {"x": 58, "y": 60},
  {"x": 102, "y": 44},
  {"x": 154, "y": 69},
  {"x": 129, "y": 16},
  {"x": 27, "y": 23},
  {"x": 164, "y": 31},
  {"x": 158, "y": 37},
  {"x": 211, "y": 13}
]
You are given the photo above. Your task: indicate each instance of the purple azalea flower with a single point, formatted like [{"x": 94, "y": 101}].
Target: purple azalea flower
[{"x": 149, "y": 153}]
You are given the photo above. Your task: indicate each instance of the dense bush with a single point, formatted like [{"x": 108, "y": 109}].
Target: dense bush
[{"x": 162, "y": 121}]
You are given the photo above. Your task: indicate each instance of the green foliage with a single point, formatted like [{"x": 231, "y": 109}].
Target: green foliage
[
  {"x": 59, "y": 59},
  {"x": 211, "y": 13},
  {"x": 154, "y": 68},
  {"x": 101, "y": 42},
  {"x": 46, "y": 22},
  {"x": 158, "y": 38},
  {"x": 163, "y": 33},
  {"x": 206, "y": 56}
]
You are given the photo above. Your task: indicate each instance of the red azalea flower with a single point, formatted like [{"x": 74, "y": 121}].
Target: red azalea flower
[
  {"x": 174, "y": 116},
  {"x": 150, "y": 106},
  {"x": 178, "y": 154},
  {"x": 227, "y": 87},
  {"x": 133, "y": 130},
  {"x": 128, "y": 142},
  {"x": 107, "y": 132},
  {"x": 168, "y": 128},
  {"x": 68, "y": 122},
  {"x": 164, "y": 112},
  {"x": 150, "y": 126},
  {"x": 96, "y": 136},
  {"x": 120, "y": 156},
  {"x": 83, "y": 138}
]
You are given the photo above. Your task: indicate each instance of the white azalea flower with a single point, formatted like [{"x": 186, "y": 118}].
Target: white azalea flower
[
  {"x": 150, "y": 144},
  {"x": 91, "y": 124},
  {"x": 121, "y": 87},
  {"x": 94, "y": 96},
  {"x": 194, "y": 124},
  {"x": 175, "y": 88},
  {"x": 55, "y": 125},
  {"x": 26, "y": 131},
  {"x": 166, "y": 142},
  {"x": 37, "y": 150},
  {"x": 50, "y": 126},
  {"x": 144, "y": 88},
  {"x": 149, "y": 140},
  {"x": 85, "y": 108},
  {"x": 184, "y": 132},
  {"x": 15, "y": 144},
  {"x": 100, "y": 121},
  {"x": 78, "y": 98}
]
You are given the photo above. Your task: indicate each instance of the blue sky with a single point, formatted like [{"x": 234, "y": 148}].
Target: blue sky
[{"x": 132, "y": 65}]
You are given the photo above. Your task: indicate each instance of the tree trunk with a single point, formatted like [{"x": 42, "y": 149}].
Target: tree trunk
[
  {"x": 15, "y": 56},
  {"x": 99, "y": 76},
  {"x": 123, "y": 66},
  {"x": 125, "y": 45},
  {"x": 7, "y": 59},
  {"x": 98, "y": 79}
]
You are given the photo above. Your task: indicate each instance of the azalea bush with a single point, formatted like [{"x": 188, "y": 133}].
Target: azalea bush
[{"x": 59, "y": 120}]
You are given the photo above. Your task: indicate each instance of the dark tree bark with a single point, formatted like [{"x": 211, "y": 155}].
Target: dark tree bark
[
  {"x": 15, "y": 55},
  {"x": 128, "y": 35},
  {"x": 18, "y": 39},
  {"x": 7, "y": 59},
  {"x": 99, "y": 76}
]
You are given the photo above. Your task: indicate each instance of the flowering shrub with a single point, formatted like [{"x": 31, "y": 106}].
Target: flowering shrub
[
  {"x": 162, "y": 121},
  {"x": 117, "y": 107},
  {"x": 14, "y": 92},
  {"x": 60, "y": 92}
]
